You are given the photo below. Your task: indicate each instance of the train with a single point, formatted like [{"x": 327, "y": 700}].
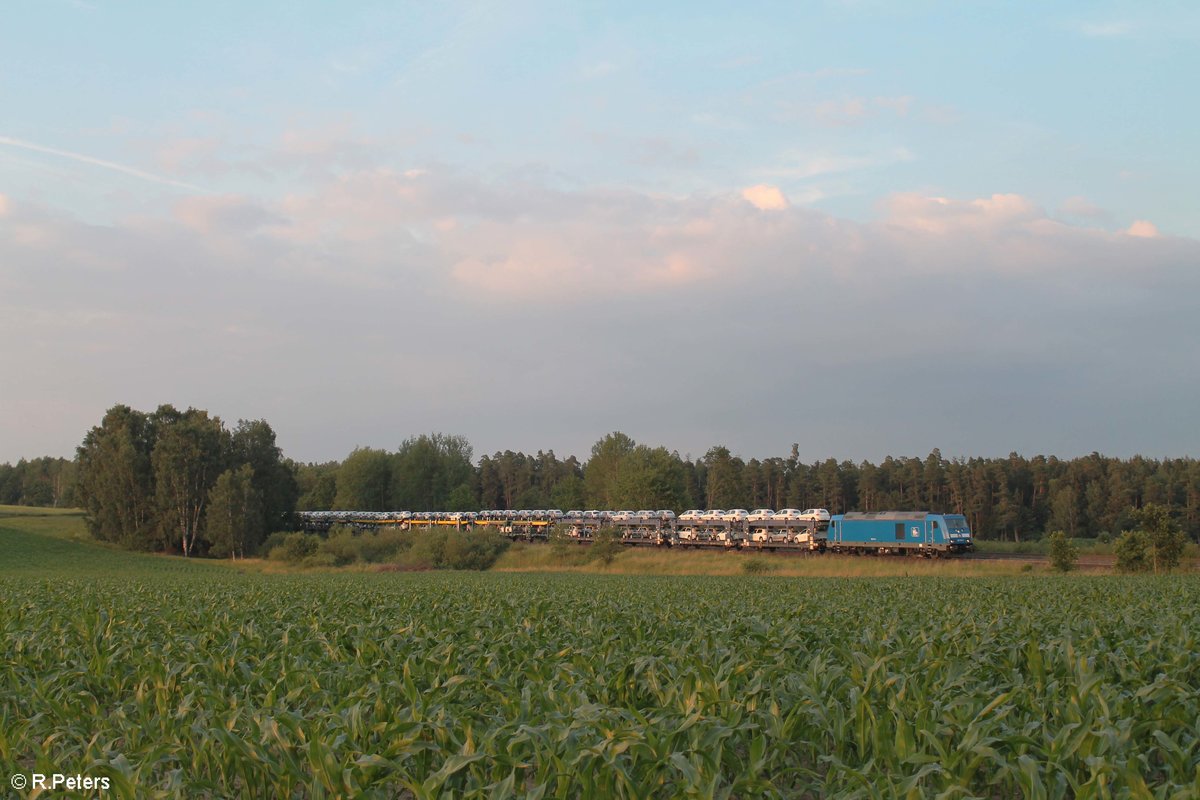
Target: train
[{"x": 922, "y": 533}]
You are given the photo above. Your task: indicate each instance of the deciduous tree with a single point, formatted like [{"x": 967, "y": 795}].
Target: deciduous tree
[
  {"x": 188, "y": 456},
  {"x": 234, "y": 520}
]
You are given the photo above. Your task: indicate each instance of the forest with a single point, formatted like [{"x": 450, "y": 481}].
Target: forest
[
  {"x": 180, "y": 481},
  {"x": 1010, "y": 498}
]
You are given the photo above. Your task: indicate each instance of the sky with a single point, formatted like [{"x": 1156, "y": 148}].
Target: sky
[{"x": 867, "y": 228}]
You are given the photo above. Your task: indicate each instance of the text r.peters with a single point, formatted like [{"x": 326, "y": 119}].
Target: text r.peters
[{"x": 69, "y": 782}]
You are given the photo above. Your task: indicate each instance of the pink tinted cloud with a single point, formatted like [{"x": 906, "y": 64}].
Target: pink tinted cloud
[
  {"x": 765, "y": 197},
  {"x": 940, "y": 215}
]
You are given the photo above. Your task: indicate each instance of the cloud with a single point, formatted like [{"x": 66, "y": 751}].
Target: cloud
[
  {"x": 840, "y": 112},
  {"x": 899, "y": 105},
  {"x": 1079, "y": 206},
  {"x": 213, "y": 214},
  {"x": 239, "y": 305},
  {"x": 765, "y": 198},
  {"x": 802, "y": 165},
  {"x": 98, "y": 162},
  {"x": 939, "y": 215},
  {"x": 1143, "y": 229},
  {"x": 4, "y": 205},
  {"x": 182, "y": 153}
]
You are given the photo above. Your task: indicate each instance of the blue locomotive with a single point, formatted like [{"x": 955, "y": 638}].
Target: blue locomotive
[{"x": 918, "y": 532}]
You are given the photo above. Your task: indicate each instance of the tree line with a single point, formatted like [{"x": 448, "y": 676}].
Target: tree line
[
  {"x": 47, "y": 481},
  {"x": 1003, "y": 498},
  {"x": 172, "y": 480}
]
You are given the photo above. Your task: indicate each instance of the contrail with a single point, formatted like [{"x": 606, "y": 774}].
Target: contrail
[{"x": 98, "y": 162}]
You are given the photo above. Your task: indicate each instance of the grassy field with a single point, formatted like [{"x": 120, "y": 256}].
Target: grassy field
[
  {"x": 653, "y": 561},
  {"x": 38, "y": 511},
  {"x": 190, "y": 679}
]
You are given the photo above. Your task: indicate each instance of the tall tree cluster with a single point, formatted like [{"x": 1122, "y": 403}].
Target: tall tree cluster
[
  {"x": 426, "y": 473},
  {"x": 182, "y": 481}
]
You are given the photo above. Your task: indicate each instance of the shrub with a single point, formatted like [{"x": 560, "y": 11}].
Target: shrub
[
  {"x": 1164, "y": 538},
  {"x": 343, "y": 548},
  {"x": 605, "y": 545},
  {"x": 320, "y": 560},
  {"x": 560, "y": 543},
  {"x": 473, "y": 549},
  {"x": 1156, "y": 545},
  {"x": 758, "y": 566},
  {"x": 272, "y": 542},
  {"x": 383, "y": 545},
  {"x": 1063, "y": 553},
  {"x": 1131, "y": 552},
  {"x": 451, "y": 549},
  {"x": 296, "y": 547}
]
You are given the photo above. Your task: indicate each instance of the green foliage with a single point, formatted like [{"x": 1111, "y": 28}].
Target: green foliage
[
  {"x": 477, "y": 550},
  {"x": 43, "y": 482},
  {"x": 606, "y": 545},
  {"x": 342, "y": 547},
  {"x": 723, "y": 478},
  {"x": 364, "y": 481},
  {"x": 234, "y": 519},
  {"x": 187, "y": 458},
  {"x": 1063, "y": 554},
  {"x": 462, "y": 498},
  {"x": 560, "y": 542},
  {"x": 317, "y": 484},
  {"x": 1131, "y": 550},
  {"x": 1156, "y": 546},
  {"x": 383, "y": 545},
  {"x": 423, "y": 549},
  {"x": 321, "y": 559},
  {"x": 451, "y": 549},
  {"x": 433, "y": 473},
  {"x": 252, "y": 443},
  {"x": 116, "y": 479},
  {"x": 296, "y": 547},
  {"x": 1166, "y": 540},
  {"x": 145, "y": 479},
  {"x": 652, "y": 479},
  {"x": 490, "y": 685},
  {"x": 758, "y": 566},
  {"x": 272, "y": 541},
  {"x": 603, "y": 473}
]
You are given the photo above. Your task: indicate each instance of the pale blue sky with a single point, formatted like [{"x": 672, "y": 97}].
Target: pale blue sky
[{"x": 226, "y": 205}]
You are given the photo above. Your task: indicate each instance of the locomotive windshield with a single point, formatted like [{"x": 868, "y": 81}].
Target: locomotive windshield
[{"x": 958, "y": 524}]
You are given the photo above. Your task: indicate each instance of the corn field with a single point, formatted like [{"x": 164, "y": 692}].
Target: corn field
[{"x": 207, "y": 683}]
